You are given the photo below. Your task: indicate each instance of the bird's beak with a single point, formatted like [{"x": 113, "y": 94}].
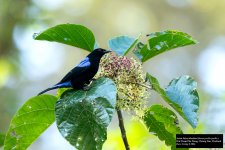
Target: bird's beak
[{"x": 108, "y": 51}]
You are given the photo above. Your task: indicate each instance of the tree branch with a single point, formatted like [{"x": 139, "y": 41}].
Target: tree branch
[{"x": 122, "y": 129}]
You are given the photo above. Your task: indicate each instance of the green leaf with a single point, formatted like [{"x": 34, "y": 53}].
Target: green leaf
[
  {"x": 82, "y": 117},
  {"x": 60, "y": 91},
  {"x": 162, "y": 122},
  {"x": 160, "y": 42},
  {"x": 137, "y": 50},
  {"x": 33, "y": 118},
  {"x": 181, "y": 94},
  {"x": 2, "y": 138},
  {"x": 70, "y": 34},
  {"x": 122, "y": 44}
]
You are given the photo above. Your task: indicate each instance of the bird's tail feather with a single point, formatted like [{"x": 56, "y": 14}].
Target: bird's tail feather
[
  {"x": 48, "y": 89},
  {"x": 59, "y": 85}
]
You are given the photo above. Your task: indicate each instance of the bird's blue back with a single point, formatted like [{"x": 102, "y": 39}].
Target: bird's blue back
[{"x": 84, "y": 63}]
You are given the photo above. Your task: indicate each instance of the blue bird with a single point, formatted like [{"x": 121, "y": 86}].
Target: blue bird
[{"x": 83, "y": 73}]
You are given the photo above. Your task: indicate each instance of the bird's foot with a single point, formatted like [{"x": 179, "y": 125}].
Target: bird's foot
[
  {"x": 86, "y": 88},
  {"x": 93, "y": 79},
  {"x": 87, "y": 85}
]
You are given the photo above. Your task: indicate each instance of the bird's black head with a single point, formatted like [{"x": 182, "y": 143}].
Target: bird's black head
[
  {"x": 101, "y": 51},
  {"x": 98, "y": 53}
]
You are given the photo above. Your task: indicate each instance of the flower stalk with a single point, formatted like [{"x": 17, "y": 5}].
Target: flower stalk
[{"x": 122, "y": 129}]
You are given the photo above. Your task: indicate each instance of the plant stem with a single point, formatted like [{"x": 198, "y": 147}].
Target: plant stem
[{"x": 122, "y": 129}]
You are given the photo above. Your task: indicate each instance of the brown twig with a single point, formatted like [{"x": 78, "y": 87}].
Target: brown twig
[{"x": 122, "y": 129}]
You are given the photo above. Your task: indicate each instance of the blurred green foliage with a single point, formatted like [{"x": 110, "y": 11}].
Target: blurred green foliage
[
  {"x": 2, "y": 137},
  {"x": 10, "y": 16},
  {"x": 138, "y": 137}
]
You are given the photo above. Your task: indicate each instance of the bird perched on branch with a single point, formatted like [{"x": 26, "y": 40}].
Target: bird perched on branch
[{"x": 83, "y": 73}]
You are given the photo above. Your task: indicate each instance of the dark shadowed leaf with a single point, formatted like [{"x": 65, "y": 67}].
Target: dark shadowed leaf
[
  {"x": 82, "y": 117},
  {"x": 122, "y": 44},
  {"x": 163, "y": 123},
  {"x": 182, "y": 95},
  {"x": 33, "y": 118},
  {"x": 70, "y": 34},
  {"x": 160, "y": 42}
]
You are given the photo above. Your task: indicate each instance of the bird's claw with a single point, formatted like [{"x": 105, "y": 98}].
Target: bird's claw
[
  {"x": 93, "y": 79},
  {"x": 86, "y": 88}
]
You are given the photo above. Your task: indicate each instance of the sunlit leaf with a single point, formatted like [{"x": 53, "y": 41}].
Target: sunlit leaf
[
  {"x": 33, "y": 118},
  {"x": 82, "y": 117},
  {"x": 183, "y": 92},
  {"x": 182, "y": 95},
  {"x": 122, "y": 44},
  {"x": 162, "y": 122},
  {"x": 60, "y": 91},
  {"x": 160, "y": 42},
  {"x": 70, "y": 34}
]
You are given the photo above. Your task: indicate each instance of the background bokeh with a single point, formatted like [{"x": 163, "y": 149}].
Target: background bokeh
[{"x": 28, "y": 66}]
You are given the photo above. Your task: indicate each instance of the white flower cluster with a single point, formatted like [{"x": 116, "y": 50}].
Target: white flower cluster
[{"x": 129, "y": 79}]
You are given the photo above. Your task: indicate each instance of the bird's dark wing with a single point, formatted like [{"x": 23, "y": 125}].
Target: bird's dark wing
[{"x": 79, "y": 70}]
